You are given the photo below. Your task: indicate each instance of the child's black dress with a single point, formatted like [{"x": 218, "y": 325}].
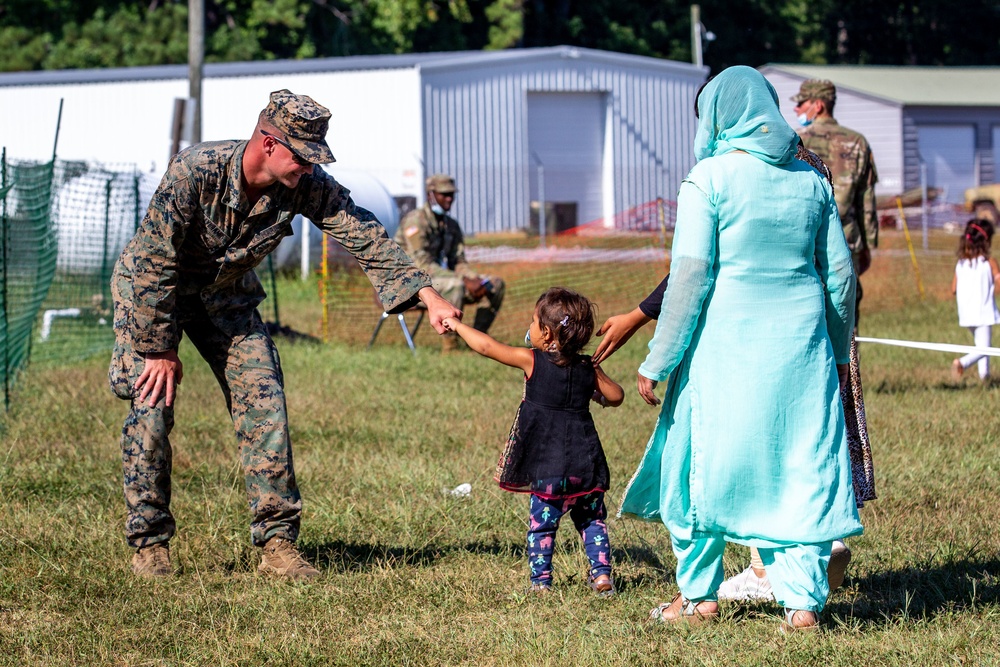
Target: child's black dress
[{"x": 553, "y": 449}]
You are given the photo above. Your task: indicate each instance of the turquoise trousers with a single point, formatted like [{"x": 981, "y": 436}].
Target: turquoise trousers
[{"x": 797, "y": 573}]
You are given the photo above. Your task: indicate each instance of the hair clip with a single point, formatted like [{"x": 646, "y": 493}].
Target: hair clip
[
  {"x": 564, "y": 321},
  {"x": 980, "y": 230}
]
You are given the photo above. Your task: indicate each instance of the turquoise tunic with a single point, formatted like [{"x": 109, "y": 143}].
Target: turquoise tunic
[{"x": 750, "y": 441}]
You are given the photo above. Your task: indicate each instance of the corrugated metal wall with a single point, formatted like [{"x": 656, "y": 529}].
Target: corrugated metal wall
[
  {"x": 476, "y": 129},
  {"x": 460, "y": 113},
  {"x": 880, "y": 122},
  {"x": 110, "y": 122},
  {"x": 984, "y": 120},
  {"x": 375, "y": 123}
]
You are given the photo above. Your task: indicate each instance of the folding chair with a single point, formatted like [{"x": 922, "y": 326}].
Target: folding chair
[{"x": 408, "y": 333}]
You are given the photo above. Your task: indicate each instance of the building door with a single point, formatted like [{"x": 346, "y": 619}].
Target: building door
[
  {"x": 994, "y": 167},
  {"x": 949, "y": 151},
  {"x": 566, "y": 139}
]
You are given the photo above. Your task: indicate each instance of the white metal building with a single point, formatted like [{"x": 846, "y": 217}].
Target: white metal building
[
  {"x": 947, "y": 118},
  {"x": 601, "y": 131}
]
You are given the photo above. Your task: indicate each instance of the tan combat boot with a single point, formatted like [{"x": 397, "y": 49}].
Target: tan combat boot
[
  {"x": 152, "y": 561},
  {"x": 281, "y": 558}
]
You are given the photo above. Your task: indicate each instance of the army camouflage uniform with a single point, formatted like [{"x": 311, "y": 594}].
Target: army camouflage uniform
[
  {"x": 189, "y": 270},
  {"x": 436, "y": 245},
  {"x": 850, "y": 160}
]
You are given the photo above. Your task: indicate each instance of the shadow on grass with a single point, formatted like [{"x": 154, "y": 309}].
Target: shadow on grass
[
  {"x": 340, "y": 556},
  {"x": 887, "y": 597},
  {"x": 344, "y": 557},
  {"x": 642, "y": 556},
  {"x": 287, "y": 333},
  {"x": 907, "y": 385}
]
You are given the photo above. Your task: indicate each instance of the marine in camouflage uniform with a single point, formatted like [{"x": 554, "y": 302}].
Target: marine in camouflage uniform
[
  {"x": 220, "y": 209},
  {"x": 850, "y": 160},
  {"x": 435, "y": 242}
]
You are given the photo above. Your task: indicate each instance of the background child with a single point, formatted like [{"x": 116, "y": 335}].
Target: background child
[
  {"x": 976, "y": 276},
  {"x": 553, "y": 451}
]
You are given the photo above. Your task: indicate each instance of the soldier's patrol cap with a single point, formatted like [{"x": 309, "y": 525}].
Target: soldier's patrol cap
[
  {"x": 442, "y": 183},
  {"x": 304, "y": 124},
  {"x": 816, "y": 89}
]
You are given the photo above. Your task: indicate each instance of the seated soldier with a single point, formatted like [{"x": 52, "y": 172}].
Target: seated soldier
[{"x": 434, "y": 241}]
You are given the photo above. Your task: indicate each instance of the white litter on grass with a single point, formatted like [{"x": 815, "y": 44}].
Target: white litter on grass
[{"x": 460, "y": 491}]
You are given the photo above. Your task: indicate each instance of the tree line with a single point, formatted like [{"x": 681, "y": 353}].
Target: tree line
[{"x": 70, "y": 34}]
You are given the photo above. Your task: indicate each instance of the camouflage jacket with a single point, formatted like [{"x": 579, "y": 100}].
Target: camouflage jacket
[
  {"x": 436, "y": 245},
  {"x": 195, "y": 251},
  {"x": 850, "y": 160}
]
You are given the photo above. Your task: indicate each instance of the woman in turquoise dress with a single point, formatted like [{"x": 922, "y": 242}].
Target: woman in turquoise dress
[{"x": 750, "y": 445}]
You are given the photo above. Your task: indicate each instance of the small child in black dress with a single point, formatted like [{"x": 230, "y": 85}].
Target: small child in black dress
[{"x": 553, "y": 451}]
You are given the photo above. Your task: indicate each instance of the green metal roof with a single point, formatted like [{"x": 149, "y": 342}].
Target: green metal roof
[{"x": 915, "y": 86}]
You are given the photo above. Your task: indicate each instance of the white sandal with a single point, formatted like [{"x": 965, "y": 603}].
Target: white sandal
[{"x": 605, "y": 588}]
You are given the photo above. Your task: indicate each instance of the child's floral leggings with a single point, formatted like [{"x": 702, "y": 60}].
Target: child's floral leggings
[{"x": 588, "y": 514}]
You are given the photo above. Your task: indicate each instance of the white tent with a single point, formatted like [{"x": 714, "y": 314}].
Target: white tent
[{"x": 366, "y": 191}]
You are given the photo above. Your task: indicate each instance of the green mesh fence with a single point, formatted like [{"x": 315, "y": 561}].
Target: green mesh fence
[
  {"x": 95, "y": 209},
  {"x": 27, "y": 259},
  {"x": 64, "y": 225}
]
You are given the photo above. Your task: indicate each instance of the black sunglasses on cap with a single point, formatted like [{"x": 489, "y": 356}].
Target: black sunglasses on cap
[{"x": 299, "y": 160}]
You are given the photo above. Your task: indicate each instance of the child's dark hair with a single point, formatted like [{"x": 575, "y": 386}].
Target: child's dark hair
[
  {"x": 570, "y": 318},
  {"x": 975, "y": 241}
]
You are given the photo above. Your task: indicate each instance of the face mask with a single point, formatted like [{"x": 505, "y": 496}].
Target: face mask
[
  {"x": 437, "y": 209},
  {"x": 804, "y": 120}
]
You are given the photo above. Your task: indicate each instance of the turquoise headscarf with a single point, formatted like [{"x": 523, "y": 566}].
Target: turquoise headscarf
[{"x": 738, "y": 111}]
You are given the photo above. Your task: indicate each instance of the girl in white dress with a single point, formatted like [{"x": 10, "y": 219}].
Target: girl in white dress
[{"x": 976, "y": 276}]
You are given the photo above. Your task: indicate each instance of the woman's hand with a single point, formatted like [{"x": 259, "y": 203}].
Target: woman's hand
[
  {"x": 616, "y": 331},
  {"x": 646, "y": 387}
]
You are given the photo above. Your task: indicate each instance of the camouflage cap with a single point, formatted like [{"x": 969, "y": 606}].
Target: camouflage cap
[
  {"x": 442, "y": 183},
  {"x": 304, "y": 123},
  {"x": 816, "y": 89}
]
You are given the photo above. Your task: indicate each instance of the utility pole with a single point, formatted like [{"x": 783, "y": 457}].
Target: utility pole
[
  {"x": 696, "y": 35},
  {"x": 196, "y": 62}
]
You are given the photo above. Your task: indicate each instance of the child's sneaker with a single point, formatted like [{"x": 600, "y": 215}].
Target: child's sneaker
[
  {"x": 746, "y": 586},
  {"x": 540, "y": 587},
  {"x": 603, "y": 585}
]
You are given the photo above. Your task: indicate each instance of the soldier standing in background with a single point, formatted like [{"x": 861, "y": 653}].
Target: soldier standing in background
[
  {"x": 220, "y": 209},
  {"x": 434, "y": 240},
  {"x": 850, "y": 160}
]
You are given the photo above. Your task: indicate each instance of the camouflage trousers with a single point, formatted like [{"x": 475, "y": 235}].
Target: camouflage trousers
[
  {"x": 452, "y": 288},
  {"x": 249, "y": 371}
]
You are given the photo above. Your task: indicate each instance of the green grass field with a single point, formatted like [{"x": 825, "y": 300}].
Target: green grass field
[{"x": 414, "y": 576}]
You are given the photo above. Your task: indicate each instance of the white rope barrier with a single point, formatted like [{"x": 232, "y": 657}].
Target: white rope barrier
[{"x": 935, "y": 347}]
